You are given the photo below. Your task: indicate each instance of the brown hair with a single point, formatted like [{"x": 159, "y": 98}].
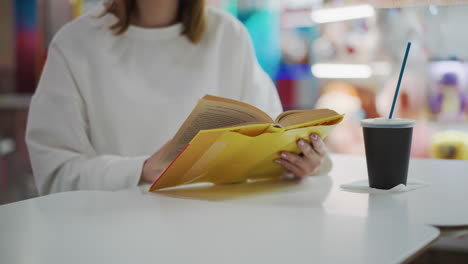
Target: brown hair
[{"x": 191, "y": 14}]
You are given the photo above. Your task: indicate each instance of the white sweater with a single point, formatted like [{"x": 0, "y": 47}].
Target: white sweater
[{"x": 105, "y": 103}]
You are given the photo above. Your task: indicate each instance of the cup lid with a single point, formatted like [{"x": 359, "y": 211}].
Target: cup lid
[{"x": 382, "y": 122}]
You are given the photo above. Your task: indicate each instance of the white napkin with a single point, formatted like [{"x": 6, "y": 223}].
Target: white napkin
[{"x": 363, "y": 187}]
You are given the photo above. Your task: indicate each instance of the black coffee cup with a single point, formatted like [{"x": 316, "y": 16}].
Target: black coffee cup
[{"x": 388, "y": 147}]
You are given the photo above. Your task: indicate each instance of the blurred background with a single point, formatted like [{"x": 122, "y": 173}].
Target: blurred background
[
  {"x": 338, "y": 54},
  {"x": 343, "y": 55}
]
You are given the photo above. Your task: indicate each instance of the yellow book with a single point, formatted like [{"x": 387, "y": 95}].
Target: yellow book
[{"x": 227, "y": 141}]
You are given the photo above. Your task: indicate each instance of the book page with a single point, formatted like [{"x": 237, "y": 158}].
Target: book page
[
  {"x": 212, "y": 113},
  {"x": 296, "y": 117}
]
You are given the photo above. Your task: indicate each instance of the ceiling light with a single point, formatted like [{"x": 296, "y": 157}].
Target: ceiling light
[
  {"x": 341, "y": 71},
  {"x": 342, "y": 13}
]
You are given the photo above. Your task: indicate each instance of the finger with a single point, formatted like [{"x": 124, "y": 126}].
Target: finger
[
  {"x": 306, "y": 165},
  {"x": 158, "y": 173},
  {"x": 291, "y": 167},
  {"x": 307, "y": 150},
  {"x": 312, "y": 158},
  {"x": 318, "y": 145},
  {"x": 297, "y": 160}
]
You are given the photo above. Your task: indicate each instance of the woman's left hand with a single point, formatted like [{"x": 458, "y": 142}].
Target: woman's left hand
[{"x": 307, "y": 163}]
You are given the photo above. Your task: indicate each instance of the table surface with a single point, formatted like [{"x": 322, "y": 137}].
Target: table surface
[
  {"x": 137, "y": 227},
  {"x": 262, "y": 222},
  {"x": 442, "y": 203}
]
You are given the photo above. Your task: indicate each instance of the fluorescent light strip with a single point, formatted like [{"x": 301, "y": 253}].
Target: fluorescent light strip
[
  {"x": 342, "y": 13},
  {"x": 341, "y": 71}
]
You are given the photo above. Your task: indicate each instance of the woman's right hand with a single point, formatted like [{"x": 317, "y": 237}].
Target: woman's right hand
[{"x": 149, "y": 174}]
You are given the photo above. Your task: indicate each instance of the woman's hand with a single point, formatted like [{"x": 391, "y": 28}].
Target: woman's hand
[
  {"x": 307, "y": 163},
  {"x": 149, "y": 174}
]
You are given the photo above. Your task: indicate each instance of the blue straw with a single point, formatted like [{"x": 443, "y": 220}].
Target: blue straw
[{"x": 399, "y": 79}]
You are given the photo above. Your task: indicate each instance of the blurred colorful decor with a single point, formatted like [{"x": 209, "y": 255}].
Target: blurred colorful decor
[
  {"x": 323, "y": 54},
  {"x": 33, "y": 20},
  {"x": 28, "y": 44},
  {"x": 316, "y": 58},
  {"x": 449, "y": 98},
  {"x": 282, "y": 52},
  {"x": 450, "y": 145}
]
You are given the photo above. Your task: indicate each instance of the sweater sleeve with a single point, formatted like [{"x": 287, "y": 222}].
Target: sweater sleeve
[
  {"x": 61, "y": 153},
  {"x": 258, "y": 88}
]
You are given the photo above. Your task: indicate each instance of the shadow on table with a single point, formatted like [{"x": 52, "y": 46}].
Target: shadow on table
[
  {"x": 313, "y": 187},
  {"x": 229, "y": 191}
]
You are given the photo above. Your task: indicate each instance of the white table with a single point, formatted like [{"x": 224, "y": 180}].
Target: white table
[
  {"x": 137, "y": 227},
  {"x": 443, "y": 203},
  {"x": 263, "y": 222}
]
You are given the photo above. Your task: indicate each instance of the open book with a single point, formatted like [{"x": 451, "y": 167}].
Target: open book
[{"x": 227, "y": 141}]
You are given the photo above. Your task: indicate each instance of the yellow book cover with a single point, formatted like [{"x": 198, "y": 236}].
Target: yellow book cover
[{"x": 227, "y": 141}]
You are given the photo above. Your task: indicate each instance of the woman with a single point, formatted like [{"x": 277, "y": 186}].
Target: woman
[{"x": 119, "y": 82}]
